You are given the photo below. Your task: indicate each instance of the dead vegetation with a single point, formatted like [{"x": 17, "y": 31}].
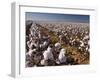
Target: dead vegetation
[{"x": 74, "y": 55}]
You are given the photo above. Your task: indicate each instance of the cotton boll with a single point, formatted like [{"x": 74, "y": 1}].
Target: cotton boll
[
  {"x": 44, "y": 45},
  {"x": 82, "y": 43},
  {"x": 30, "y": 52},
  {"x": 86, "y": 37},
  {"x": 57, "y": 45},
  {"x": 28, "y": 44},
  {"x": 62, "y": 57},
  {"x": 43, "y": 62},
  {"x": 48, "y": 54},
  {"x": 28, "y": 57}
]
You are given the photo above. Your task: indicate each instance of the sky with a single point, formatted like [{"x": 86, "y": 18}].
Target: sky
[{"x": 55, "y": 17}]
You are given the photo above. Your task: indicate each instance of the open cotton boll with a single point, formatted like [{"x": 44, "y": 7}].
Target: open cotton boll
[
  {"x": 30, "y": 52},
  {"x": 43, "y": 62},
  {"x": 28, "y": 44},
  {"x": 57, "y": 45},
  {"x": 48, "y": 54},
  {"x": 82, "y": 43},
  {"x": 86, "y": 37},
  {"x": 62, "y": 57},
  {"x": 45, "y": 44}
]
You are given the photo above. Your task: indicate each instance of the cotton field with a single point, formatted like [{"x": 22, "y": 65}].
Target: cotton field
[{"x": 56, "y": 43}]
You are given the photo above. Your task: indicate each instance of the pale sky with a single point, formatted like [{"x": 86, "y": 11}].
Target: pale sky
[{"x": 56, "y": 17}]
